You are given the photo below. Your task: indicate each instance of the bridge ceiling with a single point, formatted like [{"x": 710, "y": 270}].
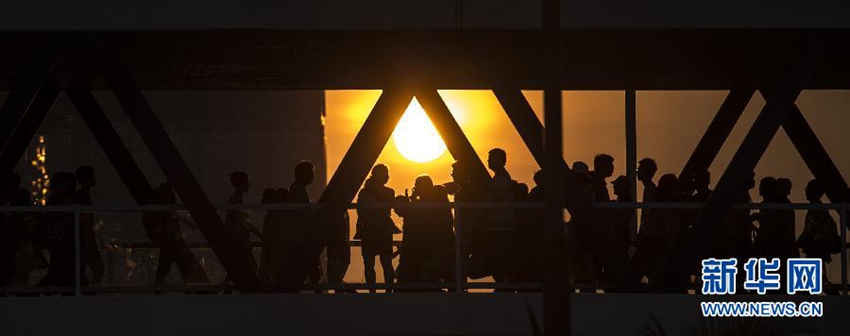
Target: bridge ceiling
[{"x": 452, "y": 59}]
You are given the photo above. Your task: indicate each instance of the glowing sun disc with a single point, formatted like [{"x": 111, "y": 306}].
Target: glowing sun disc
[{"x": 415, "y": 136}]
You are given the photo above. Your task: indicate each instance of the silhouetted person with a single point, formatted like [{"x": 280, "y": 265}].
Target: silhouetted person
[
  {"x": 238, "y": 222},
  {"x": 428, "y": 244},
  {"x": 165, "y": 231},
  {"x": 60, "y": 232},
  {"x": 529, "y": 235},
  {"x": 91, "y": 252},
  {"x": 272, "y": 235},
  {"x": 645, "y": 174},
  {"x": 783, "y": 235},
  {"x": 765, "y": 217},
  {"x": 302, "y": 261},
  {"x": 583, "y": 263},
  {"x": 662, "y": 233},
  {"x": 698, "y": 186},
  {"x": 375, "y": 227},
  {"x": 27, "y": 251},
  {"x": 469, "y": 220},
  {"x": 697, "y": 191},
  {"x": 736, "y": 238},
  {"x": 820, "y": 238},
  {"x": 492, "y": 257},
  {"x": 603, "y": 168},
  {"x": 622, "y": 218},
  {"x": 338, "y": 246}
]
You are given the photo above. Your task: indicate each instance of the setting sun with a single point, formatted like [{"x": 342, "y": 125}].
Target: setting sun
[{"x": 416, "y": 138}]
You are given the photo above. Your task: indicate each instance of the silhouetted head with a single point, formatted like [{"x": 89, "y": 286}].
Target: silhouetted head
[
  {"x": 85, "y": 176},
  {"x": 622, "y": 186},
  {"x": 269, "y": 196},
  {"x": 814, "y": 190},
  {"x": 581, "y": 171},
  {"x": 646, "y": 170},
  {"x": 380, "y": 174},
  {"x": 538, "y": 177},
  {"x": 423, "y": 184},
  {"x": 766, "y": 187},
  {"x": 701, "y": 179},
  {"x": 603, "y": 164},
  {"x": 280, "y": 195},
  {"x": 668, "y": 188},
  {"x": 63, "y": 183},
  {"x": 496, "y": 159},
  {"x": 783, "y": 187},
  {"x": 239, "y": 181},
  {"x": 751, "y": 183},
  {"x": 460, "y": 172},
  {"x": 521, "y": 191},
  {"x": 305, "y": 172}
]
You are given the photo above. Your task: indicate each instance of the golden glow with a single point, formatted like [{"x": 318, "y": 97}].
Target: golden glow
[{"x": 415, "y": 136}]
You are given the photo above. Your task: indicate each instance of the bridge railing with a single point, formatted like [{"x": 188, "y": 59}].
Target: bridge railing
[{"x": 459, "y": 284}]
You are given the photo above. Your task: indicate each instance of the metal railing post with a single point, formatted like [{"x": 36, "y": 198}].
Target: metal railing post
[
  {"x": 78, "y": 271},
  {"x": 459, "y": 276},
  {"x": 843, "y": 229}
]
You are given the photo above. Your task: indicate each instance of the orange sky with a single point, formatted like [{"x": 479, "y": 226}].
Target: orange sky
[{"x": 669, "y": 124}]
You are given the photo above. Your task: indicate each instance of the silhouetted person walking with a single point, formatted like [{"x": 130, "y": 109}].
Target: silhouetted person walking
[
  {"x": 603, "y": 168},
  {"x": 165, "y": 231},
  {"x": 765, "y": 217},
  {"x": 273, "y": 235},
  {"x": 238, "y": 222},
  {"x": 646, "y": 173},
  {"x": 529, "y": 235},
  {"x": 622, "y": 218},
  {"x": 375, "y": 227},
  {"x": 492, "y": 258},
  {"x": 820, "y": 238},
  {"x": 660, "y": 236},
  {"x": 302, "y": 261},
  {"x": 783, "y": 235},
  {"x": 91, "y": 251},
  {"x": 583, "y": 263},
  {"x": 427, "y": 252},
  {"x": 24, "y": 227},
  {"x": 469, "y": 221},
  {"x": 60, "y": 232}
]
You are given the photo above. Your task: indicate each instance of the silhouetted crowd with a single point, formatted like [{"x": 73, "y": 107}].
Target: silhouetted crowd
[{"x": 606, "y": 248}]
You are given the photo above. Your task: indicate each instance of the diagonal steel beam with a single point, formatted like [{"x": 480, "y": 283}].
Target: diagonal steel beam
[
  {"x": 18, "y": 141},
  {"x": 718, "y": 131},
  {"x": 525, "y": 121},
  {"x": 771, "y": 117},
  {"x": 165, "y": 153},
  {"x": 456, "y": 141},
  {"x": 366, "y": 147},
  {"x": 531, "y": 131},
  {"x": 813, "y": 153},
  {"x": 28, "y": 85},
  {"x": 109, "y": 140}
]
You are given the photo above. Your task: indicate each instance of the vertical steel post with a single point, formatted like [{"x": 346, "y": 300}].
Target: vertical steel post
[
  {"x": 459, "y": 274},
  {"x": 843, "y": 227},
  {"x": 631, "y": 154},
  {"x": 78, "y": 271},
  {"x": 631, "y": 140},
  {"x": 556, "y": 293}
]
